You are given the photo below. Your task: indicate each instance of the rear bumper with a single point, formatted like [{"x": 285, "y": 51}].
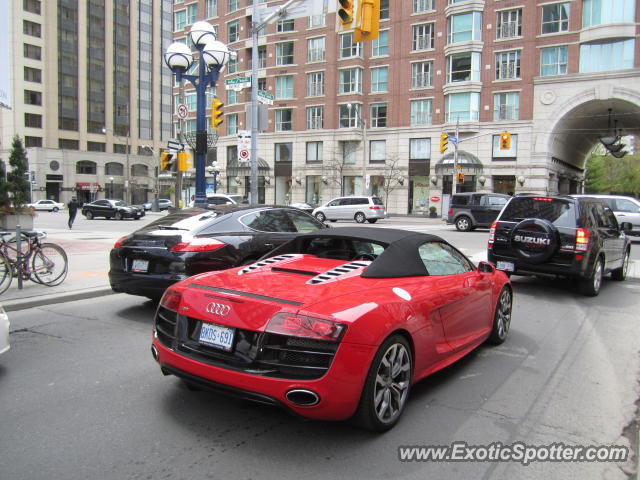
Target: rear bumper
[
  {"x": 142, "y": 284},
  {"x": 577, "y": 268}
]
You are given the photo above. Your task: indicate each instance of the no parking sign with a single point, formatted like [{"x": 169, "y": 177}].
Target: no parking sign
[{"x": 244, "y": 145}]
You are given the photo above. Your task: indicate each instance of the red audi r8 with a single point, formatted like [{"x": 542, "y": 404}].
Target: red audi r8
[{"x": 335, "y": 324}]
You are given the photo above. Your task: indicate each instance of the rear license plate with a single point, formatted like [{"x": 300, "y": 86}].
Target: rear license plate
[
  {"x": 506, "y": 266},
  {"x": 217, "y": 336},
  {"x": 140, "y": 266}
]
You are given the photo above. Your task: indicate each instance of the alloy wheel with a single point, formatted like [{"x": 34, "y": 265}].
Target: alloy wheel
[{"x": 392, "y": 383}]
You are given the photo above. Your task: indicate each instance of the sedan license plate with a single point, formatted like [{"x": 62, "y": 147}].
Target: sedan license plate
[
  {"x": 217, "y": 336},
  {"x": 140, "y": 266},
  {"x": 505, "y": 266}
]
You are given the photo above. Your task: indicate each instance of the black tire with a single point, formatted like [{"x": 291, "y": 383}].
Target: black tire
[
  {"x": 463, "y": 223},
  {"x": 359, "y": 217},
  {"x": 89, "y": 215},
  {"x": 55, "y": 209},
  {"x": 6, "y": 273},
  {"x": 49, "y": 265},
  {"x": 372, "y": 415},
  {"x": 118, "y": 216},
  {"x": 321, "y": 217},
  {"x": 620, "y": 274},
  {"x": 590, "y": 286},
  {"x": 502, "y": 317},
  {"x": 372, "y": 220}
]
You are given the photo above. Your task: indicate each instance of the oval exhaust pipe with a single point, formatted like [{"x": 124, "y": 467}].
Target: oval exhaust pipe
[
  {"x": 154, "y": 353},
  {"x": 302, "y": 397}
]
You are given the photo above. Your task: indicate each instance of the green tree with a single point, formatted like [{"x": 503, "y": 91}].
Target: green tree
[
  {"x": 17, "y": 183},
  {"x": 5, "y": 201}
]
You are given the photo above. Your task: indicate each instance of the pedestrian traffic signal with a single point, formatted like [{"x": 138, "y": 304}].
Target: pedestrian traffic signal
[
  {"x": 345, "y": 12},
  {"x": 443, "y": 142},
  {"x": 368, "y": 24},
  {"x": 459, "y": 177},
  {"x": 505, "y": 141},
  {"x": 183, "y": 161},
  {"x": 166, "y": 161},
  {"x": 216, "y": 112}
]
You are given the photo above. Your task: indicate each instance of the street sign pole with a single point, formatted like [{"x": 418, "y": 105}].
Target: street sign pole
[{"x": 253, "y": 196}]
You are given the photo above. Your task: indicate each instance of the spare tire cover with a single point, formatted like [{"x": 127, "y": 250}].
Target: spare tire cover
[{"x": 534, "y": 240}]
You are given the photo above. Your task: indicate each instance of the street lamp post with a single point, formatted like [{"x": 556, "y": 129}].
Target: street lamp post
[
  {"x": 127, "y": 181},
  {"x": 363, "y": 124},
  {"x": 213, "y": 57},
  {"x": 111, "y": 187},
  {"x": 215, "y": 171}
]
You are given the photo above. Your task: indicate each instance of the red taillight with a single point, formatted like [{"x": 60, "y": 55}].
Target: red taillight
[
  {"x": 171, "y": 299},
  {"x": 375, "y": 207},
  {"x": 582, "y": 240},
  {"x": 303, "y": 326},
  {"x": 492, "y": 234},
  {"x": 198, "y": 245},
  {"x": 542, "y": 199},
  {"x": 118, "y": 243}
]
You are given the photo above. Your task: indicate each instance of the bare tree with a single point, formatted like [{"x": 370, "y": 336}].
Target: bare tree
[{"x": 393, "y": 175}]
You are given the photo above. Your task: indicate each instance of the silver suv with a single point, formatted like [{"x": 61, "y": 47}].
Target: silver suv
[
  {"x": 360, "y": 209},
  {"x": 626, "y": 210}
]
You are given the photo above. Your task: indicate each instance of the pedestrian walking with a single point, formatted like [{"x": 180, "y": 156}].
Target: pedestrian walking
[{"x": 73, "y": 211}]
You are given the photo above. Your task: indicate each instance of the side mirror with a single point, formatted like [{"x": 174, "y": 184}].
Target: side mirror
[
  {"x": 626, "y": 227},
  {"x": 486, "y": 267}
]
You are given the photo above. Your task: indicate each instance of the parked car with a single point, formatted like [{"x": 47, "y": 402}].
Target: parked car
[
  {"x": 303, "y": 206},
  {"x": 117, "y": 209},
  {"x": 48, "y": 205},
  {"x": 214, "y": 199},
  {"x": 358, "y": 208},
  {"x": 334, "y": 324},
  {"x": 163, "y": 204},
  {"x": 467, "y": 211},
  {"x": 4, "y": 330},
  {"x": 576, "y": 237},
  {"x": 193, "y": 241},
  {"x": 626, "y": 210}
]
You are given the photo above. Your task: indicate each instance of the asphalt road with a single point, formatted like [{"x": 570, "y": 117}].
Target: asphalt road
[{"x": 81, "y": 398}]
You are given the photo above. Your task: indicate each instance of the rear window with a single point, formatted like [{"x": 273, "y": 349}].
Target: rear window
[
  {"x": 189, "y": 220},
  {"x": 558, "y": 211},
  {"x": 377, "y": 201},
  {"x": 460, "y": 200}
]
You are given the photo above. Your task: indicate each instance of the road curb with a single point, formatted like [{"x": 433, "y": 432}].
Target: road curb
[{"x": 40, "y": 300}]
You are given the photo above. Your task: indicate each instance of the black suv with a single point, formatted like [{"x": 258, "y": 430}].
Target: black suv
[
  {"x": 564, "y": 236},
  {"x": 470, "y": 210}
]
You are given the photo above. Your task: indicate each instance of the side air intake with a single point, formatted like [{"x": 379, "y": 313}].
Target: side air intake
[
  {"x": 268, "y": 261},
  {"x": 338, "y": 272}
]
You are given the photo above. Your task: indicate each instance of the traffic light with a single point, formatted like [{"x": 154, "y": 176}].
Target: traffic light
[
  {"x": 166, "y": 161},
  {"x": 183, "y": 161},
  {"x": 505, "y": 141},
  {"x": 216, "y": 112},
  {"x": 459, "y": 177},
  {"x": 368, "y": 25},
  {"x": 345, "y": 12},
  {"x": 443, "y": 142}
]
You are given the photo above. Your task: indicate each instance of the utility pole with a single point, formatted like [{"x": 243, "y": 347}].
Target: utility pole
[{"x": 454, "y": 177}]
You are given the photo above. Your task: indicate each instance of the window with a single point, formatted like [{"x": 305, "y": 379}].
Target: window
[
  {"x": 233, "y": 31},
  {"x": 113, "y": 168},
  {"x": 442, "y": 259},
  {"x": 506, "y": 106},
  {"x": 284, "y": 87},
  {"x": 377, "y": 151},
  {"x": 32, "y": 51},
  {"x": 378, "y": 115},
  {"x": 463, "y": 67},
  {"x": 553, "y": 61},
  {"x": 315, "y": 84},
  {"x": 505, "y": 154},
  {"x": 349, "y": 152},
  {"x": 233, "y": 5},
  {"x": 600, "y": 12},
  {"x": 349, "y": 116},
  {"x": 32, "y": 98},
  {"x": 68, "y": 144},
  {"x": 32, "y": 141},
  {"x": 606, "y": 56},
  {"x": 31, "y": 28},
  {"x": 379, "y": 82},
  {"x": 232, "y": 64},
  {"x": 315, "y": 49},
  {"x": 284, "y": 53},
  {"x": 31, "y": 6},
  {"x": 316, "y": 21},
  {"x": 420, "y": 112},
  {"x": 380, "y": 46},
  {"x": 422, "y": 74},
  {"x": 139, "y": 170},
  {"x": 384, "y": 9},
  {"x": 285, "y": 25},
  {"x": 192, "y": 13},
  {"x": 314, "y": 152},
  {"x": 348, "y": 48},
  {"x": 464, "y": 27},
  {"x": 462, "y": 106},
  {"x": 350, "y": 80},
  {"x": 86, "y": 167},
  {"x": 283, "y": 152},
  {"x": 284, "y": 120},
  {"x": 509, "y": 24},
  {"x": 420, "y": 6},
  {"x": 269, "y": 221},
  {"x": 32, "y": 120},
  {"x": 232, "y": 124},
  {"x": 302, "y": 223},
  {"x": 508, "y": 65},
  {"x": 315, "y": 117},
  {"x": 419, "y": 149},
  {"x": 555, "y": 18},
  {"x": 211, "y": 8},
  {"x": 232, "y": 97},
  {"x": 422, "y": 37},
  {"x": 179, "y": 20}
]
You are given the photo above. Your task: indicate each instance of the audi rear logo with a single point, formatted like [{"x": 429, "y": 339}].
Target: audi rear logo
[{"x": 218, "y": 309}]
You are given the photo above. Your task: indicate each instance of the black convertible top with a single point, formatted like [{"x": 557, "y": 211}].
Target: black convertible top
[{"x": 399, "y": 259}]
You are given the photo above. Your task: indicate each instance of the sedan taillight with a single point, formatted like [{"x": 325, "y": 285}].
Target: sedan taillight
[
  {"x": 198, "y": 245},
  {"x": 492, "y": 234},
  {"x": 118, "y": 243},
  {"x": 582, "y": 240},
  {"x": 304, "y": 326}
]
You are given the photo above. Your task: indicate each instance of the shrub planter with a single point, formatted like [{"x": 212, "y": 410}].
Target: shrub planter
[{"x": 9, "y": 222}]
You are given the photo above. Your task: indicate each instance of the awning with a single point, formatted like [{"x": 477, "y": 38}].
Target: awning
[
  {"x": 236, "y": 169},
  {"x": 467, "y": 161},
  {"x": 87, "y": 186}
]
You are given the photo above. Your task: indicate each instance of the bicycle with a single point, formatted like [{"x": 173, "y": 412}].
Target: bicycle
[{"x": 44, "y": 263}]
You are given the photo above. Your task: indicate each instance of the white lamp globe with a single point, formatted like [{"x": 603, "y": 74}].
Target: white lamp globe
[
  {"x": 215, "y": 53},
  {"x": 202, "y": 32},
  {"x": 178, "y": 56}
]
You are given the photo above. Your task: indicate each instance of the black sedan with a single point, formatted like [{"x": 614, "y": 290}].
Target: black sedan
[
  {"x": 193, "y": 241},
  {"x": 111, "y": 209}
]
